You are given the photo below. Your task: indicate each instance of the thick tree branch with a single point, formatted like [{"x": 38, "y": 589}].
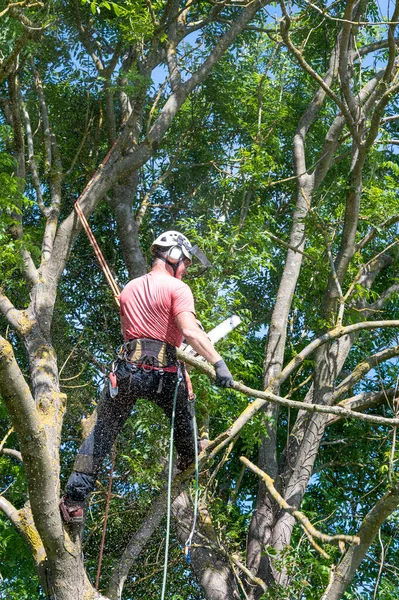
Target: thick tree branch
[
  {"x": 36, "y": 458},
  {"x": 10, "y": 511},
  {"x": 345, "y": 65},
  {"x": 366, "y": 400},
  {"x": 263, "y": 397},
  {"x": 332, "y": 139},
  {"x": 45, "y": 120},
  {"x": 32, "y": 160},
  {"x": 334, "y": 334},
  {"x": 284, "y": 28},
  {"x": 173, "y": 67},
  {"x": 14, "y": 317}
]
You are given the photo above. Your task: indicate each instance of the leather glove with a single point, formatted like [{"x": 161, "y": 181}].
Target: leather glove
[{"x": 223, "y": 376}]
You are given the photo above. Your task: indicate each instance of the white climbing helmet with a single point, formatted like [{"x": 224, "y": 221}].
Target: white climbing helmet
[
  {"x": 177, "y": 243},
  {"x": 178, "y": 247}
]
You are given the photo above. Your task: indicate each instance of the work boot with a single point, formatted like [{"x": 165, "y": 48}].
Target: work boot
[{"x": 71, "y": 510}]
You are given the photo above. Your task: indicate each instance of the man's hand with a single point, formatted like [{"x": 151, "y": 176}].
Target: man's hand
[{"x": 223, "y": 376}]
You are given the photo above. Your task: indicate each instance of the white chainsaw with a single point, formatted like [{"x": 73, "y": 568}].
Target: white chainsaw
[{"x": 214, "y": 335}]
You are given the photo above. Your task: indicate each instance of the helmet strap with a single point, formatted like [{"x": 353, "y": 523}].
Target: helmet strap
[{"x": 173, "y": 265}]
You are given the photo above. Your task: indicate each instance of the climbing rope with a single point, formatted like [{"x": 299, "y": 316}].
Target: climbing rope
[
  {"x": 187, "y": 545},
  {"x": 170, "y": 470},
  {"x": 103, "y": 263}
]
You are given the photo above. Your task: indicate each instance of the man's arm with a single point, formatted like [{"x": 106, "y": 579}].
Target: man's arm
[{"x": 199, "y": 341}]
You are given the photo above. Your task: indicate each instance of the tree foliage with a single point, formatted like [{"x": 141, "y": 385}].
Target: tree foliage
[{"x": 268, "y": 134}]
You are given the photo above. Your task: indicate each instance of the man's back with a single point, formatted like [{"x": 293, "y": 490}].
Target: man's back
[{"x": 149, "y": 305}]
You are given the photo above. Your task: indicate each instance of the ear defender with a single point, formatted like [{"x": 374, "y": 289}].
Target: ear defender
[{"x": 175, "y": 254}]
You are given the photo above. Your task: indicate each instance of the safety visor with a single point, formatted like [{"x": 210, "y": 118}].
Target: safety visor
[{"x": 195, "y": 251}]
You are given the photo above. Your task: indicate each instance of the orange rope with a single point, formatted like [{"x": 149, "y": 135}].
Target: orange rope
[
  {"x": 103, "y": 263},
  {"x": 100, "y": 558},
  {"x": 116, "y": 292}
]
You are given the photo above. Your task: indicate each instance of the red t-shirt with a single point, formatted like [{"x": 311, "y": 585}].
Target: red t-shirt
[{"x": 149, "y": 305}]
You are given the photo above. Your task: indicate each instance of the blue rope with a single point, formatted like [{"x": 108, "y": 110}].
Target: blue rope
[{"x": 187, "y": 546}]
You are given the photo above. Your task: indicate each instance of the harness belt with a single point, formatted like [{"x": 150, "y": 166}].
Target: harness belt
[{"x": 149, "y": 351}]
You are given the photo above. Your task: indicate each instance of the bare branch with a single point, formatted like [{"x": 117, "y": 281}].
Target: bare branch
[
  {"x": 385, "y": 296},
  {"x": 334, "y": 334},
  {"x": 384, "y": 93},
  {"x": 299, "y": 516},
  {"x": 11, "y": 452},
  {"x": 390, "y": 119},
  {"x": 32, "y": 161},
  {"x": 373, "y": 47},
  {"x": 326, "y": 15},
  {"x": 332, "y": 140},
  {"x": 45, "y": 119},
  {"x": 362, "y": 369},
  {"x": 5, "y": 438},
  {"x": 373, "y": 232},
  {"x": 345, "y": 57},
  {"x": 52, "y": 169},
  {"x": 173, "y": 67},
  {"x": 284, "y": 28},
  {"x": 366, "y": 400},
  {"x": 262, "y": 398},
  {"x": 10, "y": 511},
  {"x": 289, "y": 246},
  {"x": 343, "y": 574}
]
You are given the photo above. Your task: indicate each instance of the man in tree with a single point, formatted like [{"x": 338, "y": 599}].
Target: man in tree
[{"x": 157, "y": 312}]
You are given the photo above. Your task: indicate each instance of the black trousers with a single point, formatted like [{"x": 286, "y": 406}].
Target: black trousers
[{"x": 133, "y": 383}]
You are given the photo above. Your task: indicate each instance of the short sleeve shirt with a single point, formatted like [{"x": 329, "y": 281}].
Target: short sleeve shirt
[{"x": 150, "y": 304}]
